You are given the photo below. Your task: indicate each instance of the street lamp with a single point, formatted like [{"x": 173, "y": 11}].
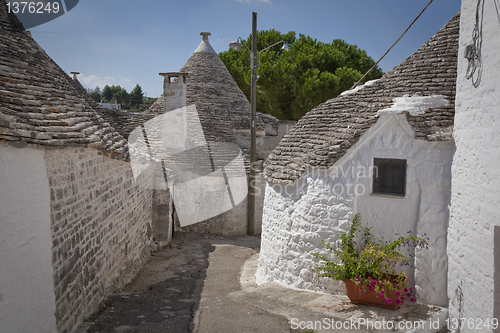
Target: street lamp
[
  {"x": 236, "y": 45},
  {"x": 254, "y": 54}
]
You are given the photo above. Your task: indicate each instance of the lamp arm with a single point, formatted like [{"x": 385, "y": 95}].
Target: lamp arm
[
  {"x": 258, "y": 54},
  {"x": 281, "y": 41},
  {"x": 243, "y": 43}
]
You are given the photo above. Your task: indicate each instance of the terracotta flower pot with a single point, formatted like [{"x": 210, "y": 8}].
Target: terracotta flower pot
[{"x": 358, "y": 296}]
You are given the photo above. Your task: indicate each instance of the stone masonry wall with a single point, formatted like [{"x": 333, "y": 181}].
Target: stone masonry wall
[
  {"x": 101, "y": 229},
  {"x": 230, "y": 223},
  {"x": 161, "y": 224},
  {"x": 473, "y": 239}
]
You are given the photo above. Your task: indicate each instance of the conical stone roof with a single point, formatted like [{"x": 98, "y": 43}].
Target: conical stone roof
[
  {"x": 326, "y": 132},
  {"x": 42, "y": 105},
  {"x": 221, "y": 105}
]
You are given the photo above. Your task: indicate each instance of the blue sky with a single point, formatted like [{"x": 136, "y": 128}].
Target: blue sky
[{"x": 129, "y": 42}]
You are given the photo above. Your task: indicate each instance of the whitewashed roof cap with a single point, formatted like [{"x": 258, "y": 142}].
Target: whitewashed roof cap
[{"x": 205, "y": 46}]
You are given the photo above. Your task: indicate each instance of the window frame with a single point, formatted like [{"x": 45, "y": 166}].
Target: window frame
[{"x": 384, "y": 189}]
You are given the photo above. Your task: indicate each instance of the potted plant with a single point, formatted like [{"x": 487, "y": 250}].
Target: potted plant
[{"x": 367, "y": 267}]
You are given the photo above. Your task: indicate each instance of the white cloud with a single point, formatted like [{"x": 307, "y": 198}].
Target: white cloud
[{"x": 93, "y": 81}]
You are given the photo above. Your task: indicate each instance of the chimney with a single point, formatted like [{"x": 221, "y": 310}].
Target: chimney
[
  {"x": 205, "y": 36},
  {"x": 174, "y": 90},
  {"x": 174, "y": 128},
  {"x": 74, "y": 75}
]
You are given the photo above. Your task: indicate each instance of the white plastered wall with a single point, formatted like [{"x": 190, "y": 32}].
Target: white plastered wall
[
  {"x": 319, "y": 207},
  {"x": 473, "y": 241},
  {"x": 27, "y": 300}
]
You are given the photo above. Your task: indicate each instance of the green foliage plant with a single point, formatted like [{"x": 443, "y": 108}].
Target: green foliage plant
[
  {"x": 136, "y": 96},
  {"x": 370, "y": 263},
  {"x": 133, "y": 101},
  {"x": 293, "y": 82}
]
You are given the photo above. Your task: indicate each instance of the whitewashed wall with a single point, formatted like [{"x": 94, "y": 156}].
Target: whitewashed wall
[
  {"x": 320, "y": 205},
  {"x": 27, "y": 299},
  {"x": 473, "y": 286}
]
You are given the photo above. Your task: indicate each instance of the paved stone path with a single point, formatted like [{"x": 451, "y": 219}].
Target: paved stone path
[
  {"x": 185, "y": 288},
  {"x": 206, "y": 284}
]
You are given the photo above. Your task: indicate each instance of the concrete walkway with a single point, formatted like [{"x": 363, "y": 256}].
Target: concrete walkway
[{"x": 206, "y": 284}]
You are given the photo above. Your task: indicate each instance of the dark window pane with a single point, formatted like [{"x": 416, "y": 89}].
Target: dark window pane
[{"x": 389, "y": 176}]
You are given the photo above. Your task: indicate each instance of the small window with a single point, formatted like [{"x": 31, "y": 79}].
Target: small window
[{"x": 389, "y": 176}]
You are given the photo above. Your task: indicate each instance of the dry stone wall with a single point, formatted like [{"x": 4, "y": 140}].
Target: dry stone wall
[
  {"x": 101, "y": 229},
  {"x": 230, "y": 223}
]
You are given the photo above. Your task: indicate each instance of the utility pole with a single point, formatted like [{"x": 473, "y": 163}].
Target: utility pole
[{"x": 251, "y": 183}]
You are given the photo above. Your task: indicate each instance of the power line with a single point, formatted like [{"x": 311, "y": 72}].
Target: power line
[{"x": 423, "y": 10}]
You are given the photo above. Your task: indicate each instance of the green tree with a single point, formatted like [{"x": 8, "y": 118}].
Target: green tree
[
  {"x": 144, "y": 105},
  {"x": 136, "y": 96},
  {"x": 122, "y": 97},
  {"x": 133, "y": 101},
  {"x": 107, "y": 94},
  {"x": 292, "y": 82},
  {"x": 96, "y": 94}
]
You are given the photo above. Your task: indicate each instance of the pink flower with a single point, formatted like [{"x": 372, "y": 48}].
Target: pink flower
[
  {"x": 357, "y": 278},
  {"x": 398, "y": 301},
  {"x": 406, "y": 290},
  {"x": 412, "y": 300},
  {"x": 398, "y": 293},
  {"x": 389, "y": 300}
]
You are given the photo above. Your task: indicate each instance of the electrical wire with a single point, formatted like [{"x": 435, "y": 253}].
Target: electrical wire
[
  {"x": 423, "y": 10},
  {"x": 473, "y": 56}
]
